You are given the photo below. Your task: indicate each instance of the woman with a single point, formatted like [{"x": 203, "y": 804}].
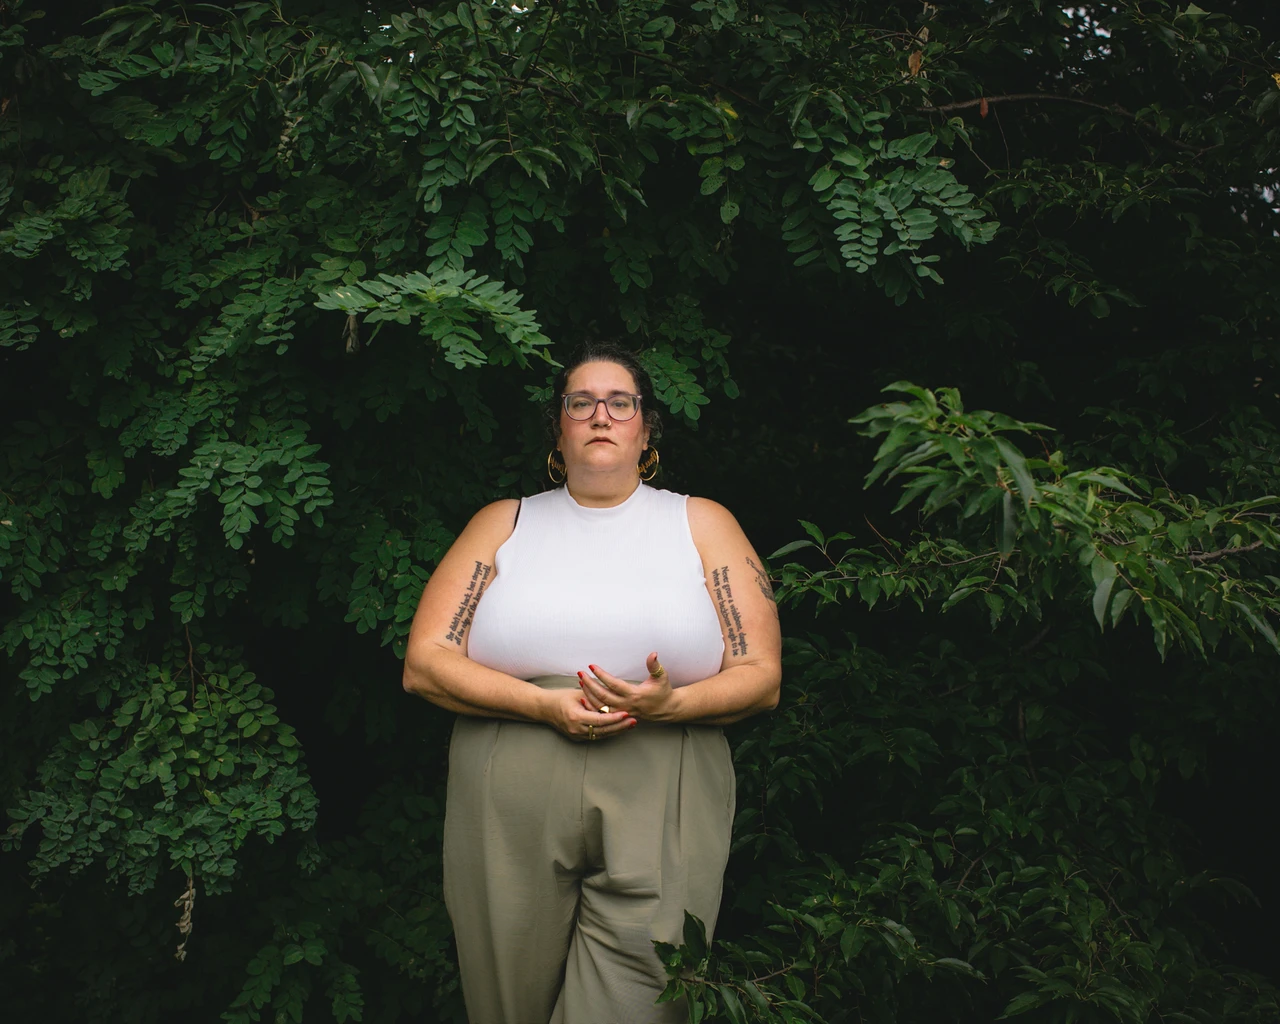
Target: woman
[{"x": 593, "y": 639}]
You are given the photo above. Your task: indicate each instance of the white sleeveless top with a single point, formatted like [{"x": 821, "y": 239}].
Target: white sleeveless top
[{"x": 603, "y": 586}]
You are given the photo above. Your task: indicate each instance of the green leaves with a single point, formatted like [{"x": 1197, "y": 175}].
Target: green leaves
[
  {"x": 908, "y": 204},
  {"x": 179, "y": 773},
  {"x": 280, "y": 478},
  {"x": 445, "y": 305},
  {"x": 988, "y": 864},
  {"x": 275, "y": 285},
  {"x": 1174, "y": 553},
  {"x": 674, "y": 383}
]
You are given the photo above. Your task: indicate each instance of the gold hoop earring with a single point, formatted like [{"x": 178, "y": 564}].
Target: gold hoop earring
[
  {"x": 648, "y": 466},
  {"x": 554, "y": 466}
]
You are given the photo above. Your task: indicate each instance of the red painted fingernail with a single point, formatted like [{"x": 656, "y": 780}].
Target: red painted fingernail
[{"x": 633, "y": 724}]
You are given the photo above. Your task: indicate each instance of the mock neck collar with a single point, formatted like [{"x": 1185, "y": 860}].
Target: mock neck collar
[{"x": 632, "y": 500}]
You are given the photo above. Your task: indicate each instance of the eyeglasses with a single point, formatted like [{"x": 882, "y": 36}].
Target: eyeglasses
[{"x": 579, "y": 405}]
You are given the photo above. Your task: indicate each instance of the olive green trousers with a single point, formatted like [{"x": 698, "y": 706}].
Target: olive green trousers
[{"x": 563, "y": 862}]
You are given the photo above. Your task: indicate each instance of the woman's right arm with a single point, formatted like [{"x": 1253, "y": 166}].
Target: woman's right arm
[{"x": 436, "y": 665}]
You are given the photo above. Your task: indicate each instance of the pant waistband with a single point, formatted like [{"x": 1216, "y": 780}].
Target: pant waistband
[{"x": 555, "y": 682}]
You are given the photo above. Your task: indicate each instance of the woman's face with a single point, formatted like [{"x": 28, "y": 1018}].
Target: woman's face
[{"x": 600, "y": 444}]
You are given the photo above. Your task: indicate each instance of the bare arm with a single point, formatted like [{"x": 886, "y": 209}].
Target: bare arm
[
  {"x": 436, "y": 665},
  {"x": 750, "y": 674}
]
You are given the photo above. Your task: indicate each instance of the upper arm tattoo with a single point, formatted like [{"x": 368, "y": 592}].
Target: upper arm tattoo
[
  {"x": 762, "y": 581},
  {"x": 461, "y": 621},
  {"x": 729, "y": 611}
]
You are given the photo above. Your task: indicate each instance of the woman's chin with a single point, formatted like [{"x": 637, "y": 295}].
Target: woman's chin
[{"x": 602, "y": 462}]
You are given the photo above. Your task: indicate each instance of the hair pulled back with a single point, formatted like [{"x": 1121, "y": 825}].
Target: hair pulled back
[{"x": 606, "y": 352}]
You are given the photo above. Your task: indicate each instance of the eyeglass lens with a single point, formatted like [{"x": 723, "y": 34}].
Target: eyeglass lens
[{"x": 583, "y": 407}]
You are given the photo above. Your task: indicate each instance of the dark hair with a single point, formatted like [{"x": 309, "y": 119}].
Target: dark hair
[{"x": 606, "y": 352}]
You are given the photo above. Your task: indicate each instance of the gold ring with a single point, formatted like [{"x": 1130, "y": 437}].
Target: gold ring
[
  {"x": 659, "y": 672},
  {"x": 605, "y": 709},
  {"x": 591, "y": 732}
]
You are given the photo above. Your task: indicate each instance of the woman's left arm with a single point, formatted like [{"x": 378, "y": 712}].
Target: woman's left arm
[{"x": 750, "y": 674}]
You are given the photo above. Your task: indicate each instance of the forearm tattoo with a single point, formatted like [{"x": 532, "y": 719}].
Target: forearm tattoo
[
  {"x": 461, "y": 621},
  {"x": 729, "y": 611},
  {"x": 762, "y": 581}
]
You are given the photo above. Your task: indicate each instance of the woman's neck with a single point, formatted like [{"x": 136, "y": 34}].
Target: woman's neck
[{"x": 602, "y": 490}]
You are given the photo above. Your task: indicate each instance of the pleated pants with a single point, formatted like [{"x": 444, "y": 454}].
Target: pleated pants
[{"x": 563, "y": 862}]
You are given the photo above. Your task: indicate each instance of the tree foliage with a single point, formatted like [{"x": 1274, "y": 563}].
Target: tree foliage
[{"x": 281, "y": 281}]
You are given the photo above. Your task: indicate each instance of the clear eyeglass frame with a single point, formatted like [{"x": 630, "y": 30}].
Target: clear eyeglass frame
[{"x": 615, "y": 406}]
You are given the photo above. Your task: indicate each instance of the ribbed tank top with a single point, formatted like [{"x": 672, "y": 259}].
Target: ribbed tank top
[{"x": 604, "y": 586}]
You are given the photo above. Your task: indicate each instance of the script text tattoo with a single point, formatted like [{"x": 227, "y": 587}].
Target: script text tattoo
[
  {"x": 729, "y": 611},
  {"x": 461, "y": 621}
]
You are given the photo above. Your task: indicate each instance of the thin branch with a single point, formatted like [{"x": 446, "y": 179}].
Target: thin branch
[
  {"x": 541, "y": 89},
  {"x": 1208, "y": 556},
  {"x": 1022, "y": 735},
  {"x": 191, "y": 664},
  {"x": 995, "y": 575},
  {"x": 914, "y": 566},
  {"x": 537, "y": 56},
  {"x": 1008, "y": 157},
  {"x": 1034, "y": 642},
  {"x": 1020, "y": 97},
  {"x": 756, "y": 979},
  {"x": 973, "y": 864},
  {"x": 1045, "y": 97},
  {"x": 568, "y": 92},
  {"x": 883, "y": 540},
  {"x": 1124, "y": 918},
  {"x": 974, "y": 558}
]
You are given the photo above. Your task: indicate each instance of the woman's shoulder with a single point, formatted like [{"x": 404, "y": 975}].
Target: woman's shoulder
[
  {"x": 496, "y": 520},
  {"x": 708, "y": 510},
  {"x": 503, "y": 508},
  {"x": 709, "y": 519}
]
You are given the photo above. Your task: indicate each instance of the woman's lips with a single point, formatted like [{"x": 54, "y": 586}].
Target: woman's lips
[{"x": 599, "y": 440}]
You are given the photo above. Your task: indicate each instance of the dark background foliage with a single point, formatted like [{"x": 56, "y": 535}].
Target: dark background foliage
[{"x": 282, "y": 286}]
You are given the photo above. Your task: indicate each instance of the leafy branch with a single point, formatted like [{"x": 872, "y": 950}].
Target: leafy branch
[{"x": 1125, "y": 544}]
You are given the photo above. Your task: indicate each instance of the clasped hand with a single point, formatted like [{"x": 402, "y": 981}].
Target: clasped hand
[{"x": 649, "y": 700}]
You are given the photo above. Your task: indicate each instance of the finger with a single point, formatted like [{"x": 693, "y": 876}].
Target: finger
[
  {"x": 597, "y": 696},
  {"x": 591, "y": 716},
  {"x": 626, "y": 724},
  {"x": 604, "y": 693},
  {"x": 655, "y": 666},
  {"x": 600, "y": 718},
  {"x": 612, "y": 682},
  {"x": 608, "y": 678},
  {"x": 591, "y": 723},
  {"x": 593, "y": 684}
]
